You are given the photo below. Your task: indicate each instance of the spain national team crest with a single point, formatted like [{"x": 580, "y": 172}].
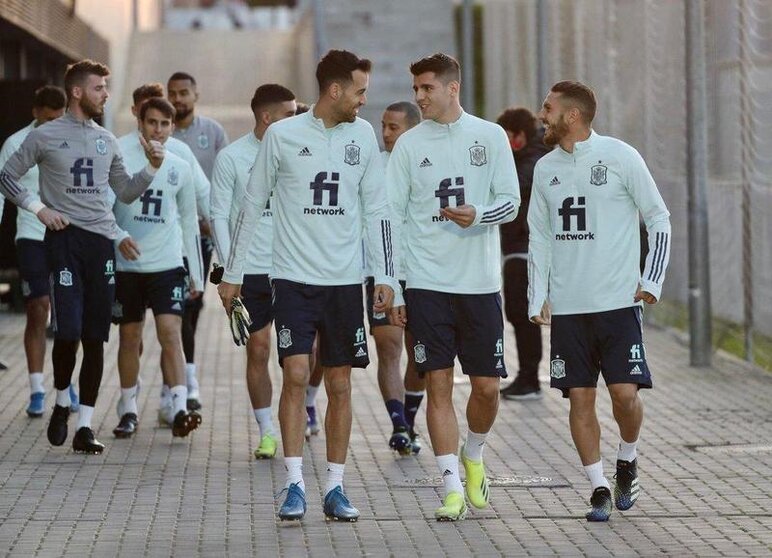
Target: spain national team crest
[
  {"x": 420, "y": 352},
  {"x": 173, "y": 178},
  {"x": 598, "y": 175},
  {"x": 351, "y": 155},
  {"x": 203, "y": 141},
  {"x": 65, "y": 278},
  {"x": 101, "y": 146},
  {"x": 285, "y": 338},
  {"x": 558, "y": 368},
  {"x": 477, "y": 156},
  {"x": 117, "y": 310}
]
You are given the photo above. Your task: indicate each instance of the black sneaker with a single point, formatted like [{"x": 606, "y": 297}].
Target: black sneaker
[
  {"x": 521, "y": 391},
  {"x": 184, "y": 423},
  {"x": 601, "y": 505},
  {"x": 415, "y": 442},
  {"x": 127, "y": 426},
  {"x": 626, "y": 489},
  {"x": 84, "y": 441},
  {"x": 193, "y": 404},
  {"x": 57, "y": 426}
]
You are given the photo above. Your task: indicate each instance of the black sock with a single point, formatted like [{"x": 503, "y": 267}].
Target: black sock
[
  {"x": 91, "y": 371},
  {"x": 63, "y": 358},
  {"x": 397, "y": 413},
  {"x": 412, "y": 404}
]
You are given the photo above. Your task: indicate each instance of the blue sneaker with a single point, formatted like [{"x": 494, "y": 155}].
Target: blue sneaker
[
  {"x": 35, "y": 407},
  {"x": 601, "y": 505},
  {"x": 74, "y": 401},
  {"x": 294, "y": 506},
  {"x": 338, "y": 508}
]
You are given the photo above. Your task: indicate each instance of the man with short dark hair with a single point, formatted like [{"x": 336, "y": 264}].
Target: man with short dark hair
[
  {"x": 527, "y": 148},
  {"x": 205, "y": 137},
  {"x": 270, "y": 103},
  {"x": 78, "y": 161},
  {"x": 452, "y": 181},
  {"x": 150, "y": 271},
  {"x": 202, "y": 187},
  {"x": 584, "y": 266},
  {"x": 324, "y": 170},
  {"x": 48, "y": 104},
  {"x": 401, "y": 397}
]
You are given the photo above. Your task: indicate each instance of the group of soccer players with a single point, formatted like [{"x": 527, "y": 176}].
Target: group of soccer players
[{"x": 299, "y": 210}]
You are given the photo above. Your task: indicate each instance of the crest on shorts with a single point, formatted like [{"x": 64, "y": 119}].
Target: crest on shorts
[
  {"x": 173, "y": 177},
  {"x": 117, "y": 310},
  {"x": 65, "y": 278},
  {"x": 101, "y": 146},
  {"x": 558, "y": 368},
  {"x": 285, "y": 338},
  {"x": 420, "y": 352},
  {"x": 477, "y": 156},
  {"x": 598, "y": 175},
  {"x": 351, "y": 154},
  {"x": 203, "y": 141},
  {"x": 25, "y": 288}
]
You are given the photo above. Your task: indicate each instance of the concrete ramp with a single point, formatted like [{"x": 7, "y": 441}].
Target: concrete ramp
[{"x": 227, "y": 65}]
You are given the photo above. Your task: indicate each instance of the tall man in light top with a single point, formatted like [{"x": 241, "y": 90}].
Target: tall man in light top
[
  {"x": 452, "y": 181},
  {"x": 324, "y": 170},
  {"x": 78, "y": 161},
  {"x": 205, "y": 137},
  {"x": 270, "y": 103},
  {"x": 402, "y": 400},
  {"x": 150, "y": 272},
  {"x": 584, "y": 254},
  {"x": 48, "y": 104}
]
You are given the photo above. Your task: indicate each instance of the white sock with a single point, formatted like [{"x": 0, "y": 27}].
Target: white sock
[
  {"x": 334, "y": 476},
  {"x": 448, "y": 465},
  {"x": 595, "y": 474},
  {"x": 627, "y": 450},
  {"x": 63, "y": 397},
  {"x": 36, "y": 383},
  {"x": 190, "y": 375},
  {"x": 311, "y": 392},
  {"x": 474, "y": 445},
  {"x": 294, "y": 466},
  {"x": 264, "y": 421},
  {"x": 179, "y": 395},
  {"x": 129, "y": 399},
  {"x": 84, "y": 416},
  {"x": 165, "y": 395}
]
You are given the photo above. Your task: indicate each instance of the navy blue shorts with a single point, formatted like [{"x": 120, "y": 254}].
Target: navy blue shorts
[
  {"x": 256, "y": 296},
  {"x": 608, "y": 343},
  {"x": 33, "y": 268},
  {"x": 446, "y": 325},
  {"x": 161, "y": 291},
  {"x": 381, "y": 319},
  {"x": 82, "y": 283},
  {"x": 336, "y": 312}
]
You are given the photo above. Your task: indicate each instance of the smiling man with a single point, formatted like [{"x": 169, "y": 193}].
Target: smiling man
[
  {"x": 150, "y": 273},
  {"x": 78, "y": 161},
  {"x": 452, "y": 181},
  {"x": 323, "y": 168},
  {"x": 584, "y": 252}
]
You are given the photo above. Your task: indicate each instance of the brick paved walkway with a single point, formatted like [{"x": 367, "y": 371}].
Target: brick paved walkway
[{"x": 705, "y": 461}]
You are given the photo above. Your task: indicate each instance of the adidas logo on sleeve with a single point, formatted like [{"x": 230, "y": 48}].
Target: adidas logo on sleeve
[
  {"x": 554, "y": 181},
  {"x": 425, "y": 163},
  {"x": 305, "y": 152}
]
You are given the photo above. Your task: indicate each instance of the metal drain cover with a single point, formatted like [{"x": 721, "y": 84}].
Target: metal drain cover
[
  {"x": 734, "y": 448},
  {"x": 519, "y": 481}
]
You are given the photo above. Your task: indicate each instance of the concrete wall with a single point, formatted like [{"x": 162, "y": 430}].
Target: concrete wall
[{"x": 228, "y": 66}]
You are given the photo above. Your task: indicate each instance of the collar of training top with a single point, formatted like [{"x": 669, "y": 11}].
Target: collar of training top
[
  {"x": 581, "y": 147},
  {"x": 89, "y": 122},
  {"x": 452, "y": 125}
]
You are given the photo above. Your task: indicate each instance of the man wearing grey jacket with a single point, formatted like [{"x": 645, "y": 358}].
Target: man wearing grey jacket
[{"x": 78, "y": 161}]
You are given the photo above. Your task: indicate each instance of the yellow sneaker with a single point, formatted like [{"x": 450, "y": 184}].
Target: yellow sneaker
[
  {"x": 453, "y": 508},
  {"x": 476, "y": 482},
  {"x": 267, "y": 447}
]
